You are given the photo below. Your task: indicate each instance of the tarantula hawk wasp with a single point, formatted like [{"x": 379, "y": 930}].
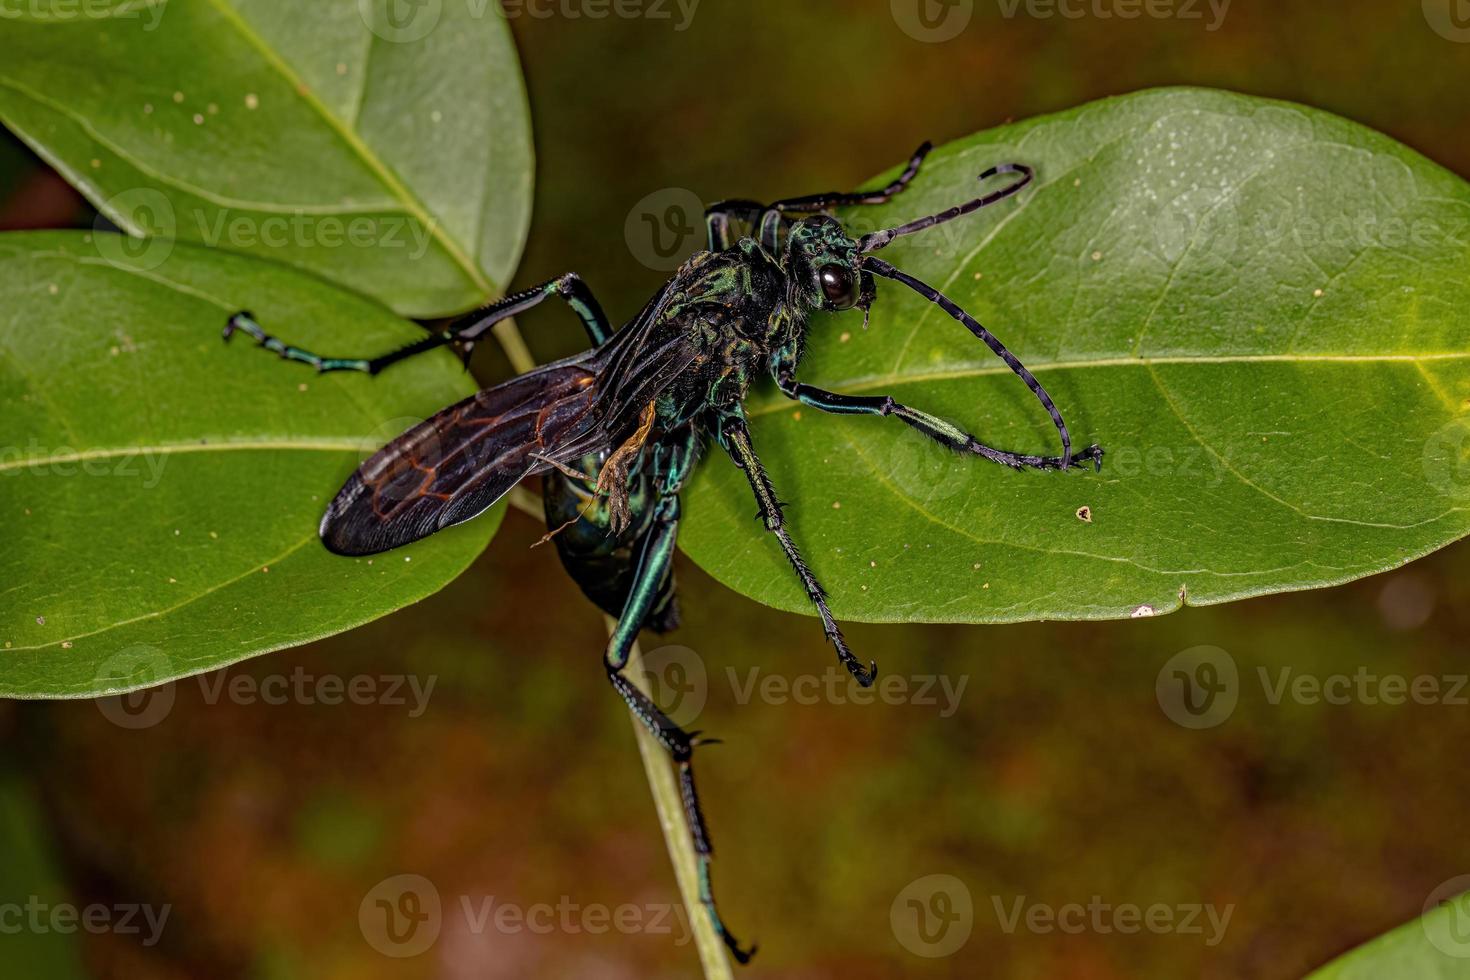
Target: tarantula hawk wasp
[{"x": 615, "y": 432}]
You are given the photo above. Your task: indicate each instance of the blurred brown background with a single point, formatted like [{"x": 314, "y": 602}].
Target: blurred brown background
[{"x": 1057, "y": 777}]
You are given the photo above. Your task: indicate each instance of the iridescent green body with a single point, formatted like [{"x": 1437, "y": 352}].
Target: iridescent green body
[
  {"x": 614, "y": 433},
  {"x": 603, "y": 562}
]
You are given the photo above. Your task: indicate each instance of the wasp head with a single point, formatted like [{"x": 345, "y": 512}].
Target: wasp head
[{"x": 824, "y": 265}]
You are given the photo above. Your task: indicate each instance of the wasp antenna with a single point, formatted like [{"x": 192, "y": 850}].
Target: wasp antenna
[
  {"x": 879, "y": 267},
  {"x": 880, "y": 239}
]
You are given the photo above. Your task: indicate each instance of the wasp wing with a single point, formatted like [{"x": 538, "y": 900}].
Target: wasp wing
[
  {"x": 451, "y": 467},
  {"x": 454, "y": 466}
]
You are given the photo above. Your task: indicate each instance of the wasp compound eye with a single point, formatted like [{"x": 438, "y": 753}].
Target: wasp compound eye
[{"x": 838, "y": 286}]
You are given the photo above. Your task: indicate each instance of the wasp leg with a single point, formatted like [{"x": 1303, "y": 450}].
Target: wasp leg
[
  {"x": 718, "y": 220},
  {"x": 465, "y": 331},
  {"x": 942, "y": 432},
  {"x": 767, "y": 221},
  {"x": 655, "y": 556},
  {"x": 735, "y": 437},
  {"x": 813, "y": 203}
]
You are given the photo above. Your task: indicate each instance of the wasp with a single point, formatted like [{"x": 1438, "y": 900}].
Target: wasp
[{"x": 615, "y": 432}]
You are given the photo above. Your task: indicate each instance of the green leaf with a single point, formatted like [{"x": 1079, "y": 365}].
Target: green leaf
[
  {"x": 160, "y": 490},
  {"x": 1260, "y": 310},
  {"x": 1434, "y": 946},
  {"x": 393, "y": 158}
]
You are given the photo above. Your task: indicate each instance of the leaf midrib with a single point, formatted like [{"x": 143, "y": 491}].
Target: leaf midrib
[{"x": 395, "y": 186}]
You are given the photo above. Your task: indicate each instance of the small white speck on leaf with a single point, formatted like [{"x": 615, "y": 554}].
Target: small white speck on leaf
[
  {"x": 1084, "y": 513},
  {"x": 1318, "y": 293},
  {"x": 976, "y": 566},
  {"x": 407, "y": 558},
  {"x": 198, "y": 119},
  {"x": 53, "y": 289},
  {"x": 872, "y": 564},
  {"x": 65, "y": 644},
  {"x": 178, "y": 96},
  {"x": 252, "y": 101},
  {"x": 845, "y": 337},
  {"x": 436, "y": 116},
  {"x": 40, "y": 620},
  {"x": 1142, "y": 612},
  {"x": 264, "y": 569},
  {"x": 1097, "y": 256},
  {"x": 836, "y": 505}
]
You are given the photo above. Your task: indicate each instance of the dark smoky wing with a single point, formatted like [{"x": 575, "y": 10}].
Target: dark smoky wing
[{"x": 453, "y": 466}]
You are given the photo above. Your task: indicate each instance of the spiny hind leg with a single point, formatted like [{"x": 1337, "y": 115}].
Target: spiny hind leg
[{"x": 655, "y": 556}]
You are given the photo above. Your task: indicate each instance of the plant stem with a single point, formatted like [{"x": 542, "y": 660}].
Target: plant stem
[
  {"x": 671, "y": 819},
  {"x": 656, "y": 765}
]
